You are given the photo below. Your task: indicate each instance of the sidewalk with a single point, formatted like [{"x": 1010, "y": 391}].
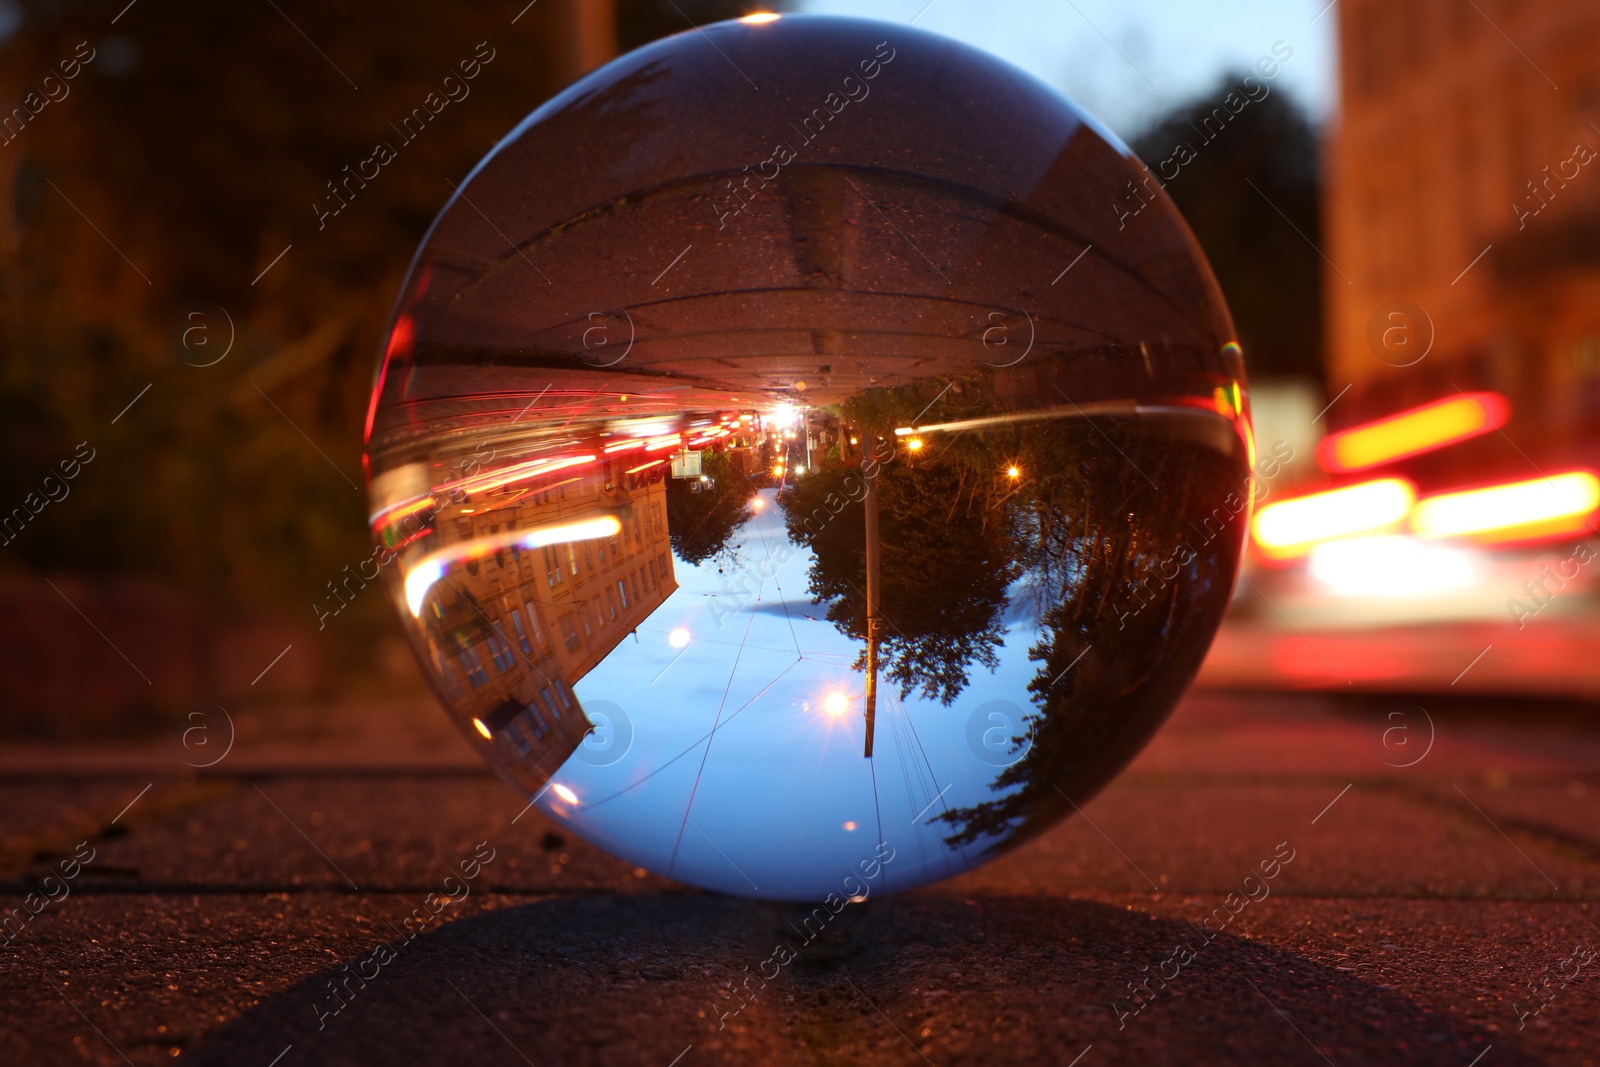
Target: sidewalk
[{"x": 235, "y": 916}]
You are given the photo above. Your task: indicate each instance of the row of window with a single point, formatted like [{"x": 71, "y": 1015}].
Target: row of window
[
  {"x": 561, "y": 560},
  {"x": 628, "y": 591},
  {"x": 532, "y": 720},
  {"x": 555, "y": 695},
  {"x": 617, "y": 599}
]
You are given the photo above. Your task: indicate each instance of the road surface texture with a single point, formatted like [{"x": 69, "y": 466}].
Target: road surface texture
[{"x": 250, "y": 913}]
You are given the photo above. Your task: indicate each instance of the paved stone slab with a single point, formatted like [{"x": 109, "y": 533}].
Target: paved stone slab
[{"x": 1406, "y": 929}]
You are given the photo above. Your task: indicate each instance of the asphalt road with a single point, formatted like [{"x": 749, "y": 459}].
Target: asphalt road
[{"x": 249, "y": 914}]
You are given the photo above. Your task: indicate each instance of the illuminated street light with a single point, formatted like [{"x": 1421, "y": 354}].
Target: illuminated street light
[
  {"x": 1411, "y": 433},
  {"x": 1550, "y": 506},
  {"x": 915, "y": 444},
  {"x": 1391, "y": 567},
  {"x": 758, "y": 17},
  {"x": 564, "y": 793},
  {"x": 482, "y": 728},
  {"x": 1292, "y": 528},
  {"x": 835, "y": 704},
  {"x": 679, "y": 637},
  {"x": 1013, "y": 471}
]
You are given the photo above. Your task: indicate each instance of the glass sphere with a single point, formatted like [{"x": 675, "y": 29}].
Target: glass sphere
[{"x": 813, "y": 457}]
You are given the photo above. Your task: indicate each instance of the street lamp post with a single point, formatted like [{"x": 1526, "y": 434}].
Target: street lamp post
[{"x": 869, "y": 469}]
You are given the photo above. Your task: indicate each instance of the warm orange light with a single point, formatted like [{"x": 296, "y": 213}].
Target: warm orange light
[
  {"x": 1013, "y": 471},
  {"x": 518, "y": 472},
  {"x": 778, "y": 470},
  {"x": 758, "y": 502},
  {"x": 644, "y": 466},
  {"x": 1410, "y": 433},
  {"x": 835, "y": 704},
  {"x": 564, "y": 793},
  {"x": 397, "y": 513},
  {"x": 661, "y": 442},
  {"x": 915, "y": 444},
  {"x": 1292, "y": 528},
  {"x": 421, "y": 575},
  {"x": 759, "y": 17},
  {"x": 482, "y": 728},
  {"x": 637, "y": 442},
  {"x": 1519, "y": 511}
]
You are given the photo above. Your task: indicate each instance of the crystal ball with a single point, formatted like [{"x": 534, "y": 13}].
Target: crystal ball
[{"x": 810, "y": 457}]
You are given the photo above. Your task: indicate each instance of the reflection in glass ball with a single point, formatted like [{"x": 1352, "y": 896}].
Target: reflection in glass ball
[{"x": 814, "y": 455}]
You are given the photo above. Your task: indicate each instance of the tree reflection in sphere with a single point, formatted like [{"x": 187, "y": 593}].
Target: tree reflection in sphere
[{"x": 815, "y": 457}]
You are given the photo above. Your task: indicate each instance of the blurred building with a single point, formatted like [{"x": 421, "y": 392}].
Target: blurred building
[
  {"x": 510, "y": 631},
  {"x": 1463, "y": 221}
]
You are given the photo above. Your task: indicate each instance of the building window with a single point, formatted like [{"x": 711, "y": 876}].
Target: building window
[
  {"x": 561, "y": 691},
  {"x": 552, "y": 566},
  {"x": 551, "y": 704},
  {"x": 622, "y": 591},
  {"x": 533, "y": 623},
  {"x": 569, "y": 633},
  {"x": 522, "y": 633},
  {"x": 536, "y": 720},
  {"x": 611, "y": 605},
  {"x": 471, "y": 665},
  {"x": 500, "y": 649},
  {"x": 572, "y": 556},
  {"x": 636, "y": 583}
]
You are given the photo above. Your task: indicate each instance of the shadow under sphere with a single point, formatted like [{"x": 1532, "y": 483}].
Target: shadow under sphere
[
  {"x": 796, "y": 469},
  {"x": 998, "y": 980}
]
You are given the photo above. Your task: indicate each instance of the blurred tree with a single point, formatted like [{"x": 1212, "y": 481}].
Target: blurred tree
[
  {"x": 1270, "y": 275},
  {"x": 1129, "y": 588},
  {"x": 701, "y": 517},
  {"x": 945, "y": 570},
  {"x": 183, "y": 163},
  {"x": 944, "y": 527}
]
